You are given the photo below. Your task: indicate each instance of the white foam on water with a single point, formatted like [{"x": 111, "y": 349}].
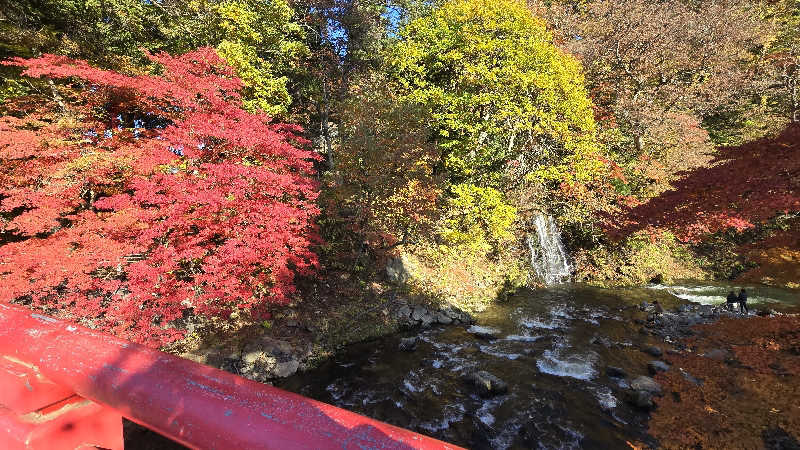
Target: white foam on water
[
  {"x": 452, "y": 414},
  {"x": 489, "y": 350},
  {"x": 479, "y": 329},
  {"x": 484, "y": 413},
  {"x": 605, "y": 397},
  {"x": 521, "y": 338},
  {"x": 528, "y": 322},
  {"x": 409, "y": 386},
  {"x": 580, "y": 367},
  {"x": 707, "y": 295}
]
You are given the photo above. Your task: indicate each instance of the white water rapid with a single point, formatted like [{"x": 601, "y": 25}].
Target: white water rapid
[{"x": 548, "y": 257}]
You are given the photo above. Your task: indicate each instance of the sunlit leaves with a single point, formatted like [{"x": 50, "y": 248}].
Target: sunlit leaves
[{"x": 161, "y": 195}]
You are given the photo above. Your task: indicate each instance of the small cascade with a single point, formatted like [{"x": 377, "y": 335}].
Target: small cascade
[{"x": 548, "y": 257}]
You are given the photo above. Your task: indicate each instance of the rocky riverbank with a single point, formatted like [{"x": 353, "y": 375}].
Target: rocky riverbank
[{"x": 267, "y": 354}]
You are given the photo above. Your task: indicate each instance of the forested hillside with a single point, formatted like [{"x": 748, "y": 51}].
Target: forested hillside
[{"x": 209, "y": 158}]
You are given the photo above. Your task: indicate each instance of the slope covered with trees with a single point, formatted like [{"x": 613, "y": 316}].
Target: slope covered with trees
[{"x": 427, "y": 132}]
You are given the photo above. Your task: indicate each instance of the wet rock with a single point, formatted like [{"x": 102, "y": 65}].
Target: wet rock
[
  {"x": 683, "y": 309},
  {"x": 717, "y": 354},
  {"x": 643, "y": 383},
  {"x": 483, "y": 332},
  {"x": 408, "y": 344},
  {"x": 707, "y": 311},
  {"x": 655, "y": 367},
  {"x": 602, "y": 340},
  {"x": 486, "y": 384},
  {"x": 641, "y": 399},
  {"x": 644, "y": 306},
  {"x": 444, "y": 319},
  {"x": 652, "y": 350},
  {"x": 616, "y": 372},
  {"x": 428, "y": 319}
]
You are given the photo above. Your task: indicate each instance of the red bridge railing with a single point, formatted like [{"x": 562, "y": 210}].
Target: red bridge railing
[{"x": 65, "y": 386}]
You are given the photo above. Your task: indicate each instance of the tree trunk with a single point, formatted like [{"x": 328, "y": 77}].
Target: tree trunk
[{"x": 325, "y": 130}]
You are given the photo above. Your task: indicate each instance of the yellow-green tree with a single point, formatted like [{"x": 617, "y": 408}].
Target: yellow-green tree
[{"x": 498, "y": 91}]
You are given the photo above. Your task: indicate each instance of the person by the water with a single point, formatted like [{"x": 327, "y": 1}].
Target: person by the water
[
  {"x": 731, "y": 301},
  {"x": 742, "y": 299}
]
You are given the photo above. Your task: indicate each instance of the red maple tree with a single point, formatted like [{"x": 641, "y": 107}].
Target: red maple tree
[{"x": 135, "y": 199}]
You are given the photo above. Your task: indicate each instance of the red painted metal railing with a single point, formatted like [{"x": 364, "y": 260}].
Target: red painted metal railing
[{"x": 65, "y": 386}]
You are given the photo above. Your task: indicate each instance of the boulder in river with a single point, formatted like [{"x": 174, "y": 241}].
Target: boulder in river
[
  {"x": 616, "y": 372},
  {"x": 641, "y": 399},
  {"x": 652, "y": 350},
  {"x": 657, "y": 366},
  {"x": 717, "y": 354},
  {"x": 648, "y": 384},
  {"x": 408, "y": 344},
  {"x": 483, "y": 332},
  {"x": 486, "y": 384},
  {"x": 419, "y": 313}
]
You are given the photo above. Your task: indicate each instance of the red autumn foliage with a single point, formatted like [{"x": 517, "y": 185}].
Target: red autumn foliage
[
  {"x": 742, "y": 187},
  {"x": 744, "y": 400},
  {"x": 151, "y": 196}
]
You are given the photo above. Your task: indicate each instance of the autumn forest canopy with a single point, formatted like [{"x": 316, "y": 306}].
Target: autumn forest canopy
[{"x": 161, "y": 159}]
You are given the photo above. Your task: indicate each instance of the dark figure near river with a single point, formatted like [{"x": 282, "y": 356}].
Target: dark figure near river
[
  {"x": 743, "y": 301},
  {"x": 731, "y": 300}
]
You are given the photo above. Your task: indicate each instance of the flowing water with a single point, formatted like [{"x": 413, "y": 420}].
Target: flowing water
[
  {"x": 548, "y": 257},
  {"x": 546, "y": 349}
]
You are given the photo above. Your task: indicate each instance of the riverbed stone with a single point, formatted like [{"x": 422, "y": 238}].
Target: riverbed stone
[
  {"x": 283, "y": 369},
  {"x": 486, "y": 384},
  {"x": 427, "y": 319},
  {"x": 641, "y": 399},
  {"x": 419, "y": 313},
  {"x": 616, "y": 372},
  {"x": 655, "y": 367},
  {"x": 717, "y": 354},
  {"x": 483, "y": 332},
  {"x": 408, "y": 344},
  {"x": 404, "y": 312},
  {"x": 443, "y": 318},
  {"x": 653, "y": 350},
  {"x": 643, "y": 383}
]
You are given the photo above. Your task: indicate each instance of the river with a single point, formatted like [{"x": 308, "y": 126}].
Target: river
[{"x": 551, "y": 346}]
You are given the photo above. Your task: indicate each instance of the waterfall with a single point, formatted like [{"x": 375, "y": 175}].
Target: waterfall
[{"x": 548, "y": 257}]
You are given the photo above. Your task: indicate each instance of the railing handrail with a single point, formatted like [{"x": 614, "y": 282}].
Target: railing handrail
[{"x": 193, "y": 404}]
